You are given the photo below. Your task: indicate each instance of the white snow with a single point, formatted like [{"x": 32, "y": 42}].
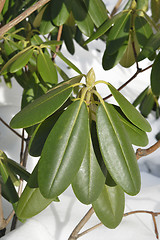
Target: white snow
[{"x": 58, "y": 220}]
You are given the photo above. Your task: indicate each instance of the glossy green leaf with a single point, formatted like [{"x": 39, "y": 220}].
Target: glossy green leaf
[
  {"x": 41, "y": 133},
  {"x": 36, "y": 40},
  {"x": 143, "y": 30},
  {"x": 142, "y": 4},
  {"x": 59, "y": 11},
  {"x": 97, "y": 11},
  {"x": 10, "y": 47},
  {"x": 147, "y": 104},
  {"x": 89, "y": 181},
  {"x": 45, "y": 105},
  {"x": 14, "y": 61},
  {"x": 140, "y": 97},
  {"x": 151, "y": 46},
  {"x": 82, "y": 18},
  {"x": 46, "y": 68},
  {"x": 109, "y": 61},
  {"x": 155, "y": 79},
  {"x": 109, "y": 207},
  {"x": 68, "y": 38},
  {"x": 105, "y": 27},
  {"x": 119, "y": 33},
  {"x": 69, "y": 63},
  {"x": 11, "y": 191},
  {"x": 31, "y": 201},
  {"x": 46, "y": 27},
  {"x": 136, "y": 135},
  {"x": 129, "y": 110},
  {"x": 116, "y": 149},
  {"x": 60, "y": 161}
]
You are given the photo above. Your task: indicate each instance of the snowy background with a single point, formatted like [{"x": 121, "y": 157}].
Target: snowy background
[{"x": 58, "y": 220}]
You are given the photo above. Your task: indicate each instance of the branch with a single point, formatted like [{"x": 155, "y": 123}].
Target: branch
[
  {"x": 22, "y": 16},
  {"x": 115, "y": 9},
  {"x": 2, "y": 2},
  {"x": 144, "y": 152},
  {"x": 58, "y": 39}
]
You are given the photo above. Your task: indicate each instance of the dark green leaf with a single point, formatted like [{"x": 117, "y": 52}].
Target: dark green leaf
[
  {"x": 68, "y": 39},
  {"x": 41, "y": 133},
  {"x": 151, "y": 46},
  {"x": 147, "y": 104},
  {"x": 116, "y": 149},
  {"x": 97, "y": 11},
  {"x": 155, "y": 76},
  {"x": 136, "y": 135},
  {"x": 119, "y": 33},
  {"x": 89, "y": 181},
  {"x": 82, "y": 18},
  {"x": 140, "y": 97},
  {"x": 143, "y": 30},
  {"x": 45, "y": 105},
  {"x": 46, "y": 68},
  {"x": 36, "y": 40},
  {"x": 129, "y": 110},
  {"x": 109, "y": 61},
  {"x": 105, "y": 26},
  {"x": 60, "y": 11},
  {"x": 109, "y": 207},
  {"x": 60, "y": 161},
  {"x": 31, "y": 201}
]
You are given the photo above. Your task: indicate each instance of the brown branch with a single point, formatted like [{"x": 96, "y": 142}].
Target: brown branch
[
  {"x": 11, "y": 129},
  {"x": 74, "y": 234},
  {"x": 144, "y": 152},
  {"x": 22, "y": 16},
  {"x": 115, "y": 9},
  {"x": 58, "y": 39}
]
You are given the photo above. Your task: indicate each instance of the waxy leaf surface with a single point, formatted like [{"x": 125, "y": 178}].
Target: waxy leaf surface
[
  {"x": 45, "y": 105},
  {"x": 89, "y": 181},
  {"x": 129, "y": 110},
  {"x": 116, "y": 149},
  {"x": 109, "y": 207},
  {"x": 155, "y": 76},
  {"x": 64, "y": 150}
]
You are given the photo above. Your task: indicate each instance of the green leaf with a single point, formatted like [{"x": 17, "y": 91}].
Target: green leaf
[
  {"x": 119, "y": 33},
  {"x": 68, "y": 38},
  {"x": 155, "y": 6},
  {"x": 97, "y": 11},
  {"x": 69, "y": 63},
  {"x": 147, "y": 104},
  {"x": 46, "y": 27},
  {"x": 41, "y": 133},
  {"x": 109, "y": 61},
  {"x": 140, "y": 97},
  {"x": 59, "y": 11},
  {"x": 136, "y": 135},
  {"x": 18, "y": 169},
  {"x": 18, "y": 61},
  {"x": 82, "y": 18},
  {"x": 116, "y": 149},
  {"x": 109, "y": 207},
  {"x": 60, "y": 161},
  {"x": 143, "y": 30},
  {"x": 31, "y": 201},
  {"x": 46, "y": 68},
  {"x": 89, "y": 181},
  {"x": 11, "y": 191},
  {"x": 155, "y": 73},
  {"x": 45, "y": 105},
  {"x": 104, "y": 27},
  {"x": 129, "y": 110},
  {"x": 151, "y": 46}
]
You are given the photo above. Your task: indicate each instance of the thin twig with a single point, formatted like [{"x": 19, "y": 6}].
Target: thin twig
[
  {"x": 58, "y": 39},
  {"x": 144, "y": 152},
  {"x": 2, "y": 2},
  {"x": 115, "y": 9},
  {"x": 22, "y": 16},
  {"x": 80, "y": 225},
  {"x": 139, "y": 70},
  {"x": 11, "y": 129}
]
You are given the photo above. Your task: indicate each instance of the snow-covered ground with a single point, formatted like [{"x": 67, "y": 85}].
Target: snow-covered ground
[{"x": 58, "y": 220}]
